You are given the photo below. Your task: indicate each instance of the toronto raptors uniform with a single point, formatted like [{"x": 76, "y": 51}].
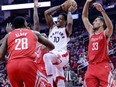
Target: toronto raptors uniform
[
  {"x": 59, "y": 38},
  {"x": 21, "y": 68},
  {"x": 99, "y": 62}
]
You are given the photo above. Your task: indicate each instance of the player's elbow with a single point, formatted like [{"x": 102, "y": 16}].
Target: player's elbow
[
  {"x": 51, "y": 47},
  {"x": 83, "y": 17},
  {"x": 110, "y": 26},
  {"x": 46, "y": 12},
  {"x": 69, "y": 24}
]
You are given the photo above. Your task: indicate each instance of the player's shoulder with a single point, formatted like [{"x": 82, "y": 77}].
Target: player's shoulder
[{"x": 36, "y": 32}]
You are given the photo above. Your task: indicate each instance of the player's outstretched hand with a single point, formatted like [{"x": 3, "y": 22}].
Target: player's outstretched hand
[
  {"x": 72, "y": 9},
  {"x": 9, "y": 27},
  {"x": 62, "y": 5},
  {"x": 36, "y": 4},
  {"x": 89, "y": 0},
  {"x": 98, "y": 6}
]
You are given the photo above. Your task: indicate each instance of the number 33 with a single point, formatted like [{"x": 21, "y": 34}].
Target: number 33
[{"x": 95, "y": 46}]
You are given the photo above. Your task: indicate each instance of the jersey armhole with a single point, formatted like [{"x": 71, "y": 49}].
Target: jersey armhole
[
  {"x": 90, "y": 35},
  {"x": 51, "y": 29}
]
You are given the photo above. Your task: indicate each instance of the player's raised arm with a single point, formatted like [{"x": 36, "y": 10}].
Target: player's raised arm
[
  {"x": 70, "y": 19},
  {"x": 3, "y": 48},
  {"x": 85, "y": 19},
  {"x": 35, "y": 16},
  {"x": 48, "y": 15},
  {"x": 44, "y": 41},
  {"x": 109, "y": 25}
]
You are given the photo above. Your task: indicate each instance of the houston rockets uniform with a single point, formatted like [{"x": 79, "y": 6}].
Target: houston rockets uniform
[
  {"x": 99, "y": 71},
  {"x": 21, "y": 68},
  {"x": 59, "y": 38},
  {"x": 41, "y": 66}
]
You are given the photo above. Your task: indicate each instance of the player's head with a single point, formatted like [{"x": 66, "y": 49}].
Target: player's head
[
  {"x": 98, "y": 23},
  {"x": 62, "y": 20},
  {"x": 19, "y": 22}
]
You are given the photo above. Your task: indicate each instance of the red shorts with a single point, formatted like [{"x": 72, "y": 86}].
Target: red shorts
[
  {"x": 21, "y": 72},
  {"x": 99, "y": 75}
]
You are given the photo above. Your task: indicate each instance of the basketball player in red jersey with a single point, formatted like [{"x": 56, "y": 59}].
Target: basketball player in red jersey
[
  {"x": 21, "y": 44},
  {"x": 99, "y": 71},
  {"x": 40, "y": 50}
]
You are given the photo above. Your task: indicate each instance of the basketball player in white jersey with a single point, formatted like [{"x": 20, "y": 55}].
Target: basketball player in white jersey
[{"x": 59, "y": 35}]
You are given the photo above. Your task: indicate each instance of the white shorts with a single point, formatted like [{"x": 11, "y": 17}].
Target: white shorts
[
  {"x": 58, "y": 71},
  {"x": 62, "y": 55}
]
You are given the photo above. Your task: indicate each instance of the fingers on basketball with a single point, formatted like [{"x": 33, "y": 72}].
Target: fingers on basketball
[{"x": 68, "y": 4}]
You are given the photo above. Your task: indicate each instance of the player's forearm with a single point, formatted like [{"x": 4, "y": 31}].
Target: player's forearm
[
  {"x": 1, "y": 41},
  {"x": 107, "y": 20},
  {"x": 69, "y": 23},
  {"x": 48, "y": 44},
  {"x": 53, "y": 9},
  {"x": 69, "y": 18},
  {"x": 36, "y": 20},
  {"x": 1, "y": 54},
  {"x": 3, "y": 59},
  {"x": 85, "y": 9}
]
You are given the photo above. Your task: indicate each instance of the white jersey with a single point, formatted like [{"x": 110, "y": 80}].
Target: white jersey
[{"x": 59, "y": 38}]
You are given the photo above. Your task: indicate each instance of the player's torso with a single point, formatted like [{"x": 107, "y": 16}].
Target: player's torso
[
  {"x": 21, "y": 44},
  {"x": 97, "y": 49},
  {"x": 59, "y": 38}
]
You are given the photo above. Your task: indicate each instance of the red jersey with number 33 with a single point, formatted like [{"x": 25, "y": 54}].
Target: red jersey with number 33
[
  {"x": 97, "y": 49},
  {"x": 21, "y": 44}
]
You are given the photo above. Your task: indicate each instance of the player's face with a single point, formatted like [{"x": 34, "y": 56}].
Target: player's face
[
  {"x": 61, "y": 21},
  {"x": 97, "y": 24}
]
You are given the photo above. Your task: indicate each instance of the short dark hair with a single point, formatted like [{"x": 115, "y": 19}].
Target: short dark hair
[
  {"x": 102, "y": 20},
  {"x": 19, "y": 22},
  {"x": 64, "y": 15}
]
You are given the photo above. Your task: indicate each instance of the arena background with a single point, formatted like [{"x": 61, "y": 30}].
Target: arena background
[{"x": 79, "y": 39}]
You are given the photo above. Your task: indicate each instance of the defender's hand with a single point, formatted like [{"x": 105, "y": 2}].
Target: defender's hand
[
  {"x": 72, "y": 9},
  {"x": 36, "y": 4},
  {"x": 9, "y": 27},
  {"x": 98, "y": 6},
  {"x": 89, "y": 0}
]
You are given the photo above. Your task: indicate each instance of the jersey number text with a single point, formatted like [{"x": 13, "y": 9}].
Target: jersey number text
[
  {"x": 95, "y": 46},
  {"x": 21, "y": 44}
]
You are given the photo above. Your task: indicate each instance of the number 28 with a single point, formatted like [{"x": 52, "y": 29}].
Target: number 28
[{"x": 21, "y": 44}]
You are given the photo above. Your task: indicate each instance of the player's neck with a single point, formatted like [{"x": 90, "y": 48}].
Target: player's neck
[
  {"x": 98, "y": 30},
  {"x": 60, "y": 26}
]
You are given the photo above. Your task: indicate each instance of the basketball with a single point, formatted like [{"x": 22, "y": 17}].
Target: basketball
[{"x": 68, "y": 3}]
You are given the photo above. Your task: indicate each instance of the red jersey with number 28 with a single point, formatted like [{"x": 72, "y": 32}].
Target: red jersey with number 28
[
  {"x": 97, "y": 49},
  {"x": 22, "y": 44}
]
